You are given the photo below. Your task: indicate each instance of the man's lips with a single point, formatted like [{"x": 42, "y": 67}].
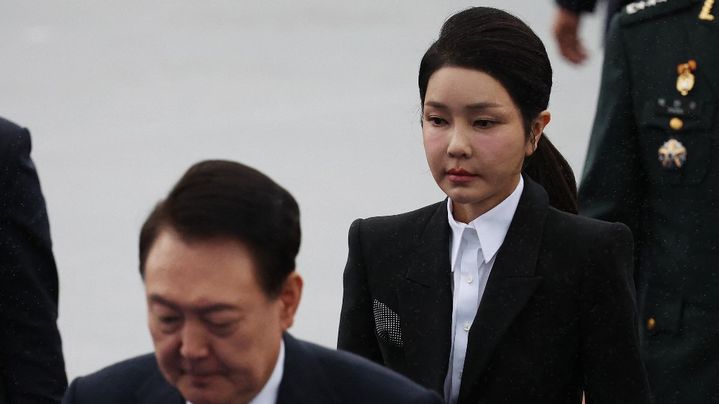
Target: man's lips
[
  {"x": 199, "y": 373},
  {"x": 199, "y": 379}
]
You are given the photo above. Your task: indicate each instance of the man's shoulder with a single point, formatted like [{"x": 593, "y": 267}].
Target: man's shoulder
[
  {"x": 643, "y": 11},
  {"x": 137, "y": 368},
  {"x": 358, "y": 380},
  {"x": 12, "y": 136},
  {"x": 119, "y": 382},
  {"x": 8, "y": 127}
]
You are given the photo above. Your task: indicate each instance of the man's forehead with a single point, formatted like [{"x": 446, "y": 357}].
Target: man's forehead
[
  {"x": 201, "y": 274},
  {"x": 200, "y": 306},
  {"x": 174, "y": 251}
]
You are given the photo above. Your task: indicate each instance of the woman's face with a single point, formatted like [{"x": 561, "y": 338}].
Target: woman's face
[{"x": 474, "y": 139}]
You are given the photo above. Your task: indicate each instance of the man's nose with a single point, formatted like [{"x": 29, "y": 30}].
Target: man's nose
[{"x": 194, "y": 344}]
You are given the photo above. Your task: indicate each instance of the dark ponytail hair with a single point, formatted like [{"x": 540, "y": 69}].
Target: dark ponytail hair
[{"x": 501, "y": 45}]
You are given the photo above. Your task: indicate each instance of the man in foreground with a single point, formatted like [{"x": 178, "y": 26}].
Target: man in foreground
[{"x": 217, "y": 258}]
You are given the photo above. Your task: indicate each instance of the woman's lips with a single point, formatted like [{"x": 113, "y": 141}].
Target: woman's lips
[{"x": 459, "y": 175}]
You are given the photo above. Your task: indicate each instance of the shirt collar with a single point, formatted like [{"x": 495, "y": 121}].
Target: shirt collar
[
  {"x": 491, "y": 227},
  {"x": 268, "y": 394}
]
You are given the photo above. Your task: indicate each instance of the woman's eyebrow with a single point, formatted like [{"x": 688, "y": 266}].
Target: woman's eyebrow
[
  {"x": 474, "y": 106},
  {"x": 483, "y": 105},
  {"x": 435, "y": 104}
]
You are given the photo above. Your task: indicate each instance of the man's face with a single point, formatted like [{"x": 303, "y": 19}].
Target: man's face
[{"x": 216, "y": 333}]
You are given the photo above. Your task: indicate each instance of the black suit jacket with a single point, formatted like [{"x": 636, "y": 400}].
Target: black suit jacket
[
  {"x": 312, "y": 374},
  {"x": 32, "y": 369},
  {"x": 557, "y": 315}
]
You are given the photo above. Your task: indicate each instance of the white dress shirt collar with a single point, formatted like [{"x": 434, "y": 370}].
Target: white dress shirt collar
[
  {"x": 268, "y": 394},
  {"x": 491, "y": 227}
]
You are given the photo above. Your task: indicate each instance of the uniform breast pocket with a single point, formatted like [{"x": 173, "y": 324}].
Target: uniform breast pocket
[{"x": 676, "y": 141}]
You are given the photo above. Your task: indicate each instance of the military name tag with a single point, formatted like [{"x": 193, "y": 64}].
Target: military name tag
[{"x": 672, "y": 154}]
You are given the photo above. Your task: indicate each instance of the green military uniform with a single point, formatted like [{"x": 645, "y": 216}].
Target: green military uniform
[{"x": 653, "y": 163}]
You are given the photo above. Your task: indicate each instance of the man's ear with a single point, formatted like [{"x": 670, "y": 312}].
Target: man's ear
[{"x": 289, "y": 298}]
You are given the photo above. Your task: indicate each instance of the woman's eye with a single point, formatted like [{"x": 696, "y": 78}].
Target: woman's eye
[
  {"x": 435, "y": 120},
  {"x": 483, "y": 123}
]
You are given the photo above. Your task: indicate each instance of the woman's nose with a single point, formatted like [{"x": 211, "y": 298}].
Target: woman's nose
[{"x": 459, "y": 145}]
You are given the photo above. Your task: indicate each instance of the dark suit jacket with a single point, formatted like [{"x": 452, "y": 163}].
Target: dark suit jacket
[
  {"x": 312, "y": 374},
  {"x": 31, "y": 362},
  {"x": 557, "y": 315},
  {"x": 672, "y": 212}
]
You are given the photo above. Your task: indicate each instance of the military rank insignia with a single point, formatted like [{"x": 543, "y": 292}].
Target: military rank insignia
[
  {"x": 672, "y": 154},
  {"x": 686, "y": 79},
  {"x": 706, "y": 13}
]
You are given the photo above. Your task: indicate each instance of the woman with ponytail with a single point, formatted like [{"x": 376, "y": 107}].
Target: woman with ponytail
[{"x": 498, "y": 293}]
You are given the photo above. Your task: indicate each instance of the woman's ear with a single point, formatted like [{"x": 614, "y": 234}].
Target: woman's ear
[{"x": 536, "y": 130}]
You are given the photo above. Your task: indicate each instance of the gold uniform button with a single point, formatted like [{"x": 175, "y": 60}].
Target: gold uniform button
[
  {"x": 676, "y": 123},
  {"x": 651, "y": 323}
]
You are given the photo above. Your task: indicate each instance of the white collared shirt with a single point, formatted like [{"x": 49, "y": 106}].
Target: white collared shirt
[
  {"x": 473, "y": 250},
  {"x": 268, "y": 394}
]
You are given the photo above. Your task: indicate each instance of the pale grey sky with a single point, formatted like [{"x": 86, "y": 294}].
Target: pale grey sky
[{"x": 122, "y": 96}]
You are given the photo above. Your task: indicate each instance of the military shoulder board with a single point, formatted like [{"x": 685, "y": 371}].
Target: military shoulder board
[{"x": 648, "y": 9}]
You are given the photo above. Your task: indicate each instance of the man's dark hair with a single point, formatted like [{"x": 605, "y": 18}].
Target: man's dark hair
[{"x": 218, "y": 199}]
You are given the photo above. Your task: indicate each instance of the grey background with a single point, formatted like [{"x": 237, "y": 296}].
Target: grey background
[{"x": 121, "y": 96}]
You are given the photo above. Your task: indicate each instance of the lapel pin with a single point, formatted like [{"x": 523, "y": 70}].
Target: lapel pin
[
  {"x": 672, "y": 154},
  {"x": 685, "y": 80}
]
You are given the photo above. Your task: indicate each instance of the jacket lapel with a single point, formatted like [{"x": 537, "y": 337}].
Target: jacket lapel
[
  {"x": 303, "y": 379},
  {"x": 157, "y": 390},
  {"x": 425, "y": 303},
  {"x": 510, "y": 286}
]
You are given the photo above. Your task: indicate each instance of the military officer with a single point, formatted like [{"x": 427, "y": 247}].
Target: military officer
[{"x": 653, "y": 163}]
